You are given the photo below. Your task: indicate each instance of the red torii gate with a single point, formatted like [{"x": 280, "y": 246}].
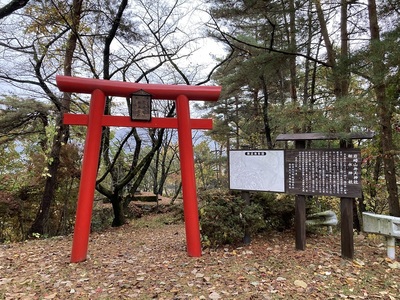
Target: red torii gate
[{"x": 96, "y": 119}]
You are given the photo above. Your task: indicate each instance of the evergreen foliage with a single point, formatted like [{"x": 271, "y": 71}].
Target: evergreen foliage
[{"x": 225, "y": 218}]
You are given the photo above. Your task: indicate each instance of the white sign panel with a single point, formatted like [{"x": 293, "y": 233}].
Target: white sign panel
[{"x": 257, "y": 170}]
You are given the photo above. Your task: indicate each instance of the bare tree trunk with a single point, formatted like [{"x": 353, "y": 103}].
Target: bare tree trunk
[
  {"x": 166, "y": 165},
  {"x": 12, "y": 6},
  {"x": 385, "y": 110},
  {"x": 156, "y": 171},
  {"x": 40, "y": 224},
  {"x": 325, "y": 34},
  {"x": 118, "y": 209},
  {"x": 267, "y": 126},
  {"x": 114, "y": 194},
  {"x": 310, "y": 74},
  {"x": 178, "y": 190},
  {"x": 344, "y": 77},
  {"x": 293, "y": 48},
  {"x": 339, "y": 71}
]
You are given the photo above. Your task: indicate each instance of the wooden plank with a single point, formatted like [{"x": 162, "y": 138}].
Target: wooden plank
[
  {"x": 300, "y": 222},
  {"x": 122, "y": 121},
  {"x": 300, "y": 211},
  {"x": 346, "y": 220},
  {"x": 247, "y": 237},
  {"x": 75, "y": 119},
  {"x": 125, "y": 89},
  {"x": 324, "y": 136}
]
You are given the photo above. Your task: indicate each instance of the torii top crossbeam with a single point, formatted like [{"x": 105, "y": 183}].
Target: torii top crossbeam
[{"x": 124, "y": 89}]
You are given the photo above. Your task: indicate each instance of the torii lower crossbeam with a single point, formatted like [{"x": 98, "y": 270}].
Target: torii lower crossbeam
[{"x": 95, "y": 121}]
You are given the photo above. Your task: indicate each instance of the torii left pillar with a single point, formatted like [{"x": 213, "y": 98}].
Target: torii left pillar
[
  {"x": 88, "y": 177},
  {"x": 99, "y": 90}
]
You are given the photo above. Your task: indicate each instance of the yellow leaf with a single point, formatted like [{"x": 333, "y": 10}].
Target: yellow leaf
[
  {"x": 52, "y": 296},
  {"x": 300, "y": 283}
]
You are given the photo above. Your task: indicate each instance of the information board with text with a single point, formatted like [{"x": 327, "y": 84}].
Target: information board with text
[{"x": 329, "y": 172}]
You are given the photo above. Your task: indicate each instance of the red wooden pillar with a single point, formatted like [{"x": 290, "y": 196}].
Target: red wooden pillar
[
  {"x": 190, "y": 207},
  {"x": 88, "y": 177}
]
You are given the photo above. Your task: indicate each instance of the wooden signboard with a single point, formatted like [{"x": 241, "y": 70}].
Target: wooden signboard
[
  {"x": 326, "y": 172},
  {"x": 141, "y": 106},
  {"x": 341, "y": 174}
]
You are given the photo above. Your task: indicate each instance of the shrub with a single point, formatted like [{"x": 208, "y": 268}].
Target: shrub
[
  {"x": 278, "y": 209},
  {"x": 224, "y": 218}
]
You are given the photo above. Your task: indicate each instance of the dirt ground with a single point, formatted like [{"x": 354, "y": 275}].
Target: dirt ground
[{"x": 147, "y": 259}]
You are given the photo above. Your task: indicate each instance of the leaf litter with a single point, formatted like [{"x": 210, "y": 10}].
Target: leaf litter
[{"x": 150, "y": 262}]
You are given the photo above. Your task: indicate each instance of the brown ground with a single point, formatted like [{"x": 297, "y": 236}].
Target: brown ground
[{"x": 147, "y": 260}]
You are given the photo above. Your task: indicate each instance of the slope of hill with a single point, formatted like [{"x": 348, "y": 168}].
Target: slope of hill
[{"x": 147, "y": 260}]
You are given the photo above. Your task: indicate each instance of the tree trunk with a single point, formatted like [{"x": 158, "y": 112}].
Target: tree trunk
[
  {"x": 339, "y": 72},
  {"x": 12, "y": 6},
  {"x": 40, "y": 224},
  {"x": 156, "y": 171},
  {"x": 325, "y": 34},
  {"x": 112, "y": 194},
  {"x": 118, "y": 209},
  {"x": 178, "y": 190},
  {"x": 267, "y": 127},
  {"x": 344, "y": 76},
  {"x": 293, "y": 47},
  {"x": 310, "y": 74},
  {"x": 385, "y": 110}
]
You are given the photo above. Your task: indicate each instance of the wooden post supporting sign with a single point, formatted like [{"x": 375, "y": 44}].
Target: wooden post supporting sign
[
  {"x": 300, "y": 211},
  {"x": 310, "y": 176},
  {"x": 346, "y": 217}
]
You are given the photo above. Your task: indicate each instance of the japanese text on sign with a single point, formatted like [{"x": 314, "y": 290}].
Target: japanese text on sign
[
  {"x": 333, "y": 172},
  {"x": 141, "y": 106}
]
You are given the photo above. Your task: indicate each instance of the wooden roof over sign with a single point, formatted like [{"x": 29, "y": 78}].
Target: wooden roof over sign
[{"x": 324, "y": 136}]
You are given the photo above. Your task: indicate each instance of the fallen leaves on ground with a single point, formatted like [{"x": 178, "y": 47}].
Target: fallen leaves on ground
[{"x": 150, "y": 262}]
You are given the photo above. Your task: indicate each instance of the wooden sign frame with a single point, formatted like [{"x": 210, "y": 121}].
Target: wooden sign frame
[{"x": 140, "y": 106}]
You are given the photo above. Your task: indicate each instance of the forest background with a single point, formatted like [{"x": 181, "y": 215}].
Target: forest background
[{"x": 285, "y": 67}]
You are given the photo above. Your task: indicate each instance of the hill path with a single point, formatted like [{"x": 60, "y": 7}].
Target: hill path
[{"x": 147, "y": 259}]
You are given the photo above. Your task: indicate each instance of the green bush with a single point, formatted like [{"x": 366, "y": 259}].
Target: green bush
[
  {"x": 278, "y": 209},
  {"x": 224, "y": 218}
]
